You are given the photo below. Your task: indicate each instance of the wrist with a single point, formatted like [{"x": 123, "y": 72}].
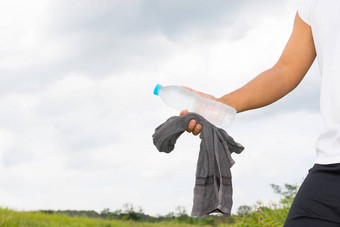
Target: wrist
[{"x": 228, "y": 101}]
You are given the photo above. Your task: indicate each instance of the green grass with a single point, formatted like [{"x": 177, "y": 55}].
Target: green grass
[
  {"x": 9, "y": 218},
  {"x": 271, "y": 215},
  {"x": 262, "y": 216}
]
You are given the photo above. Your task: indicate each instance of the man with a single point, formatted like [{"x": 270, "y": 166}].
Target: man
[{"x": 316, "y": 32}]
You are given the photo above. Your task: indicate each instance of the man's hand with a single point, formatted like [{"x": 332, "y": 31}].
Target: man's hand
[{"x": 193, "y": 126}]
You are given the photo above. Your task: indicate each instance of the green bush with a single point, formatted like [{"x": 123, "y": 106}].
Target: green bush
[{"x": 274, "y": 214}]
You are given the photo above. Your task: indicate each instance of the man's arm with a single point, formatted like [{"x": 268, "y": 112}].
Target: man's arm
[
  {"x": 276, "y": 82},
  {"x": 283, "y": 77}
]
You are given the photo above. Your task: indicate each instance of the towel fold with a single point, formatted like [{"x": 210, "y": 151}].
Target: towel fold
[{"x": 213, "y": 185}]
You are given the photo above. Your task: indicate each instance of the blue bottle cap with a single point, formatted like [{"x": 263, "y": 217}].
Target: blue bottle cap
[{"x": 156, "y": 90}]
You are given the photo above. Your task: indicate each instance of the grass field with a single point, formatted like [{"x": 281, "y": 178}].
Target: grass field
[
  {"x": 270, "y": 215},
  {"x": 37, "y": 219},
  {"x": 8, "y": 218}
]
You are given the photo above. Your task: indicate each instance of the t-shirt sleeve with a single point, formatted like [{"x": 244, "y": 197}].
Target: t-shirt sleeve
[{"x": 304, "y": 10}]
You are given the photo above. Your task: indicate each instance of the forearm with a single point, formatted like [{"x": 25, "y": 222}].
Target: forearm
[{"x": 263, "y": 90}]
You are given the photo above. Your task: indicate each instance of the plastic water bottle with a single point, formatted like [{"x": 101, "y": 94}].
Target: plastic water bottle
[{"x": 180, "y": 98}]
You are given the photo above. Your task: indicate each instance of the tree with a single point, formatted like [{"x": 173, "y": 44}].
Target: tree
[
  {"x": 181, "y": 211},
  {"x": 244, "y": 210},
  {"x": 128, "y": 207},
  {"x": 130, "y": 213},
  {"x": 105, "y": 212},
  {"x": 287, "y": 193}
]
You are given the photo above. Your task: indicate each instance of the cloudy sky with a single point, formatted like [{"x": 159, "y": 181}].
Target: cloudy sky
[{"x": 77, "y": 111}]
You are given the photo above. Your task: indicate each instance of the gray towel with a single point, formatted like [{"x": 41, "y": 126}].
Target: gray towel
[{"x": 213, "y": 186}]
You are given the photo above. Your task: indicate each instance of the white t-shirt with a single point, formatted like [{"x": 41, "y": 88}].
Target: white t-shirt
[{"x": 324, "y": 18}]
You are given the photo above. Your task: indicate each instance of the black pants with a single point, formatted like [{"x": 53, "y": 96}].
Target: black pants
[{"x": 317, "y": 202}]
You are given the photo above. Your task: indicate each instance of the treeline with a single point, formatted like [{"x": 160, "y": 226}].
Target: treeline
[{"x": 272, "y": 214}]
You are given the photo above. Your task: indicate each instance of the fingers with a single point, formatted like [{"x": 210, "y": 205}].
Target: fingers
[
  {"x": 183, "y": 112},
  {"x": 197, "y": 129},
  {"x": 192, "y": 126},
  {"x": 202, "y": 94},
  {"x": 197, "y": 92},
  {"x": 190, "y": 89}
]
